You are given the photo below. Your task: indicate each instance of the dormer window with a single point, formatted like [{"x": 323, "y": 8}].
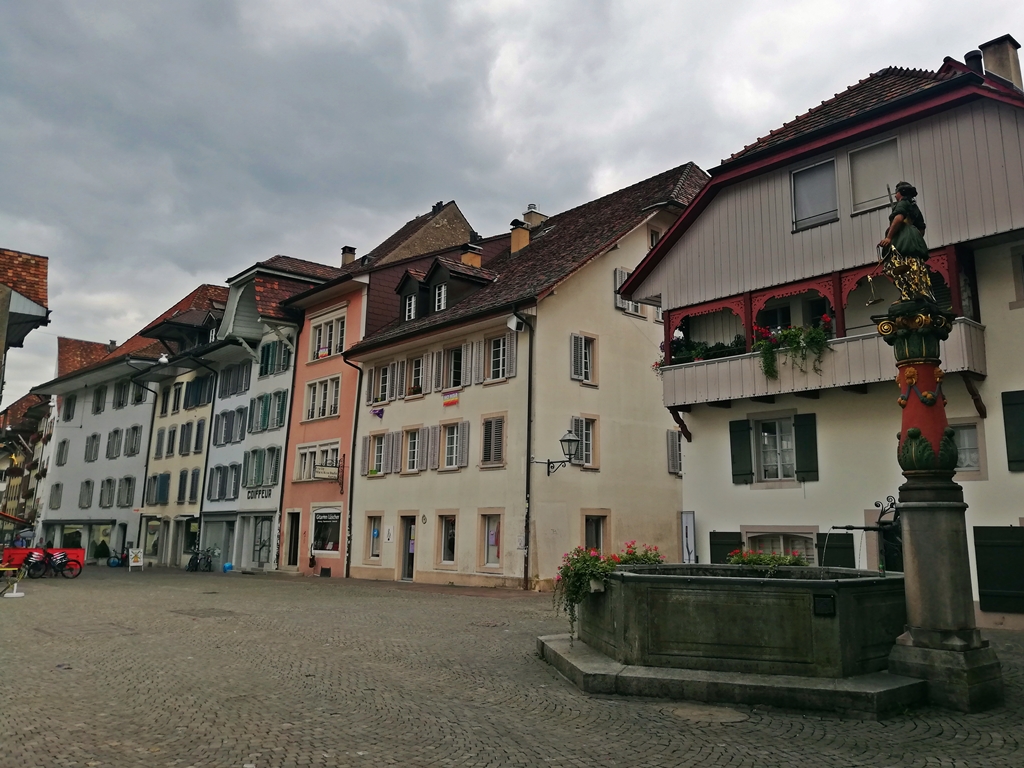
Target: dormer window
[
  {"x": 410, "y": 306},
  {"x": 440, "y": 297}
]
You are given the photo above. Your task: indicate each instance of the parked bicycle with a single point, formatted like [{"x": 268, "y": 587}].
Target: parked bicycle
[
  {"x": 117, "y": 560},
  {"x": 202, "y": 559},
  {"x": 46, "y": 563}
]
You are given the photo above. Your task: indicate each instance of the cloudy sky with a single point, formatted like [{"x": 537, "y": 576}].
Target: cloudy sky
[{"x": 148, "y": 147}]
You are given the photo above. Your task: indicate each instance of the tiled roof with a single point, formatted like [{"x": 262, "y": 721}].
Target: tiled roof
[
  {"x": 271, "y": 291},
  {"x": 303, "y": 267},
  {"x": 559, "y": 246},
  {"x": 25, "y": 273},
  {"x": 74, "y": 354},
  {"x": 876, "y": 90},
  {"x": 205, "y": 298},
  {"x": 456, "y": 266},
  {"x": 15, "y": 412},
  {"x": 404, "y": 232}
]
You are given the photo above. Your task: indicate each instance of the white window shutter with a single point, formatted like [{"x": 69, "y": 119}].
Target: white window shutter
[
  {"x": 576, "y": 343},
  {"x": 478, "y": 362},
  {"x": 421, "y": 448},
  {"x": 467, "y": 363},
  {"x": 511, "y": 338},
  {"x": 620, "y": 278},
  {"x": 438, "y": 371},
  {"x": 400, "y": 381},
  {"x": 392, "y": 381},
  {"x": 433, "y": 446},
  {"x": 425, "y": 371},
  {"x": 364, "y": 462},
  {"x": 576, "y": 426},
  {"x": 396, "y": 451},
  {"x": 388, "y": 442},
  {"x": 464, "y": 444},
  {"x": 369, "y": 385},
  {"x": 674, "y": 455}
]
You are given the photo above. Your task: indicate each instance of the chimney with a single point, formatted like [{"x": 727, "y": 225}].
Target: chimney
[
  {"x": 437, "y": 206},
  {"x": 1001, "y": 59},
  {"x": 471, "y": 255},
  {"x": 973, "y": 61},
  {"x": 112, "y": 345},
  {"x": 520, "y": 235},
  {"x": 348, "y": 254},
  {"x": 533, "y": 217},
  {"x": 474, "y": 236}
]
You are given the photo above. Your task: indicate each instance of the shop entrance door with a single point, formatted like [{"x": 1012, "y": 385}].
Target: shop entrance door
[
  {"x": 293, "y": 538},
  {"x": 261, "y": 541},
  {"x": 408, "y": 547}
]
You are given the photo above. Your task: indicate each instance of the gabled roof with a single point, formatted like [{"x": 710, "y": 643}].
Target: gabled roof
[
  {"x": 888, "y": 98},
  {"x": 202, "y": 301},
  {"x": 73, "y": 354},
  {"x": 272, "y": 290},
  {"x": 388, "y": 251},
  {"x": 559, "y": 247},
  {"x": 300, "y": 268},
  {"x": 410, "y": 274},
  {"x": 456, "y": 267},
  {"x": 14, "y": 414},
  {"x": 26, "y": 273}
]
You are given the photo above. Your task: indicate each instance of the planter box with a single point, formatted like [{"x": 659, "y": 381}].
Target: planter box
[{"x": 813, "y": 622}]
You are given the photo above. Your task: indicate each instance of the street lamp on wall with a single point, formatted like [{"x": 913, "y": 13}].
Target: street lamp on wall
[{"x": 570, "y": 445}]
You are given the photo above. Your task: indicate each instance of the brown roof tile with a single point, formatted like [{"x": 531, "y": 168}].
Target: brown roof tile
[
  {"x": 271, "y": 291},
  {"x": 303, "y": 267},
  {"x": 205, "y": 298},
  {"x": 456, "y": 266},
  {"x": 15, "y": 412},
  {"x": 74, "y": 354},
  {"x": 559, "y": 246},
  {"x": 25, "y": 273}
]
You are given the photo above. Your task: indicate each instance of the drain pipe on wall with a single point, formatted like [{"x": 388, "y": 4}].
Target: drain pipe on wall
[
  {"x": 529, "y": 447},
  {"x": 352, "y": 466}
]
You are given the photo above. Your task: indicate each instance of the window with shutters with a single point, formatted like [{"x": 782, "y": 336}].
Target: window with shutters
[
  {"x": 121, "y": 393},
  {"x": 133, "y": 440},
  {"x": 323, "y": 398},
  {"x": 776, "y": 455},
  {"x": 234, "y": 379},
  {"x": 440, "y": 297},
  {"x": 583, "y": 358},
  {"x": 412, "y": 451},
  {"x": 56, "y": 491},
  {"x": 872, "y": 170},
  {"x": 278, "y": 409},
  {"x": 453, "y": 368},
  {"x": 68, "y": 409},
  {"x": 414, "y": 377},
  {"x": 165, "y": 401},
  {"x": 587, "y": 428},
  {"x": 114, "y": 438},
  {"x": 451, "y": 446},
  {"x": 237, "y": 424},
  {"x": 497, "y": 357},
  {"x": 85, "y": 494},
  {"x": 99, "y": 399},
  {"x": 126, "y": 492},
  {"x": 62, "y": 452},
  {"x": 185, "y": 440},
  {"x": 172, "y": 436},
  {"x": 163, "y": 490},
  {"x": 275, "y": 357},
  {"x": 814, "y": 195},
  {"x": 631, "y": 307},
  {"x": 383, "y": 384},
  {"x": 176, "y": 397},
  {"x": 108, "y": 489},
  {"x": 788, "y": 541},
  {"x": 326, "y": 337},
  {"x": 377, "y": 455},
  {"x": 232, "y": 481},
  {"x": 200, "y": 441},
  {"x": 272, "y": 468},
  {"x": 193, "y": 486},
  {"x": 138, "y": 394},
  {"x": 674, "y": 442},
  {"x": 774, "y": 450},
  {"x": 492, "y": 451},
  {"x": 92, "y": 447},
  {"x": 1013, "y": 426},
  {"x": 182, "y": 486}
]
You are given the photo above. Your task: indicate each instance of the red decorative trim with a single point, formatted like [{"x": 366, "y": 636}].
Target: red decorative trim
[
  {"x": 822, "y": 285},
  {"x": 851, "y": 277}
]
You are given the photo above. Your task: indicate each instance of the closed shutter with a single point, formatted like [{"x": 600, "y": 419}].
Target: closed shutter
[
  {"x": 498, "y": 446},
  {"x": 464, "y": 444},
  {"x": 282, "y": 407},
  {"x": 620, "y": 278},
  {"x": 392, "y": 381},
  {"x": 397, "y": 444},
  {"x": 364, "y": 461},
  {"x": 1013, "y": 424},
  {"x": 229, "y": 427},
  {"x": 264, "y": 412},
  {"x": 488, "y": 441},
  {"x": 386, "y": 462},
  {"x": 425, "y": 373},
  {"x": 742, "y": 458},
  {"x": 467, "y": 364},
  {"x": 510, "y": 354},
  {"x": 246, "y": 376},
  {"x": 274, "y": 465},
  {"x": 421, "y": 448},
  {"x": 805, "y": 438},
  {"x": 433, "y": 446},
  {"x": 215, "y": 435},
  {"x": 164, "y": 491},
  {"x": 369, "y": 386},
  {"x": 252, "y": 413},
  {"x": 438, "y": 370},
  {"x": 836, "y": 550},
  {"x": 576, "y": 344},
  {"x": 479, "y": 363},
  {"x": 576, "y": 426},
  {"x": 246, "y": 469},
  {"x": 999, "y": 554},
  {"x": 399, "y": 382},
  {"x": 675, "y": 459},
  {"x": 722, "y": 543}
]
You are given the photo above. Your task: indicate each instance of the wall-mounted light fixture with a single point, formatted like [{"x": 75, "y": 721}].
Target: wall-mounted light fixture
[{"x": 570, "y": 445}]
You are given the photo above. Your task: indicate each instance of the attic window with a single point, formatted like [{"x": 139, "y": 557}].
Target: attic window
[
  {"x": 440, "y": 297},
  {"x": 814, "y": 196},
  {"x": 410, "y": 307}
]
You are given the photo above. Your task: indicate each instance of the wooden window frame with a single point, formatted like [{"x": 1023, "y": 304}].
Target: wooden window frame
[
  {"x": 481, "y": 559},
  {"x": 503, "y": 415},
  {"x": 981, "y": 473},
  {"x": 606, "y": 526},
  {"x": 595, "y": 451},
  {"x": 439, "y": 562}
]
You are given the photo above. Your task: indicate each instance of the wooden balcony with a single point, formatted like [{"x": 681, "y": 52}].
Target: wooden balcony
[{"x": 851, "y": 361}]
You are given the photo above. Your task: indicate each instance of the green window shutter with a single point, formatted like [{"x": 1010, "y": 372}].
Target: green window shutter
[
  {"x": 264, "y": 412},
  {"x": 722, "y": 543},
  {"x": 836, "y": 550},
  {"x": 742, "y": 457},
  {"x": 1013, "y": 423},
  {"x": 805, "y": 436},
  {"x": 999, "y": 553}
]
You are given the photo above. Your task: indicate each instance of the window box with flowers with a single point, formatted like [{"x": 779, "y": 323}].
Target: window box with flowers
[{"x": 797, "y": 344}]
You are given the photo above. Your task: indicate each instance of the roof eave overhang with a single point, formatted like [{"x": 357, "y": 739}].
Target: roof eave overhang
[
  {"x": 100, "y": 374},
  {"x": 317, "y": 293},
  {"x": 938, "y": 99}
]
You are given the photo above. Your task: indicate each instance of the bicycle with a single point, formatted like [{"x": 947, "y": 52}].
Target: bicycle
[
  {"x": 202, "y": 559},
  {"x": 51, "y": 563}
]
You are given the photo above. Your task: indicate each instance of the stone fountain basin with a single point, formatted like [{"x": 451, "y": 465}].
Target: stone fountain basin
[{"x": 805, "y": 621}]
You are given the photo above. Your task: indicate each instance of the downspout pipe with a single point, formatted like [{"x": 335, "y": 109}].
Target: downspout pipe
[
  {"x": 352, "y": 466},
  {"x": 529, "y": 448}
]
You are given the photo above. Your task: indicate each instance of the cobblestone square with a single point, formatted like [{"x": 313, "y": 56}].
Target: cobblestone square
[{"x": 167, "y": 668}]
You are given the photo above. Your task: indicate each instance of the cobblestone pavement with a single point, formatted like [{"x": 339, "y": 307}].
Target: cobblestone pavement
[{"x": 178, "y": 669}]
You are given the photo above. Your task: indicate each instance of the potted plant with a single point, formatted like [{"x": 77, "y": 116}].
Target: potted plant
[
  {"x": 769, "y": 562},
  {"x": 102, "y": 552},
  {"x": 415, "y": 389}
]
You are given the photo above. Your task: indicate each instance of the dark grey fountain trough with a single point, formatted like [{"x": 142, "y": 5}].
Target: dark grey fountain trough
[{"x": 806, "y": 638}]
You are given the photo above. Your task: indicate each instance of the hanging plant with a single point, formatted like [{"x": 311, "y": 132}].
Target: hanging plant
[
  {"x": 797, "y": 344},
  {"x": 14, "y": 471}
]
